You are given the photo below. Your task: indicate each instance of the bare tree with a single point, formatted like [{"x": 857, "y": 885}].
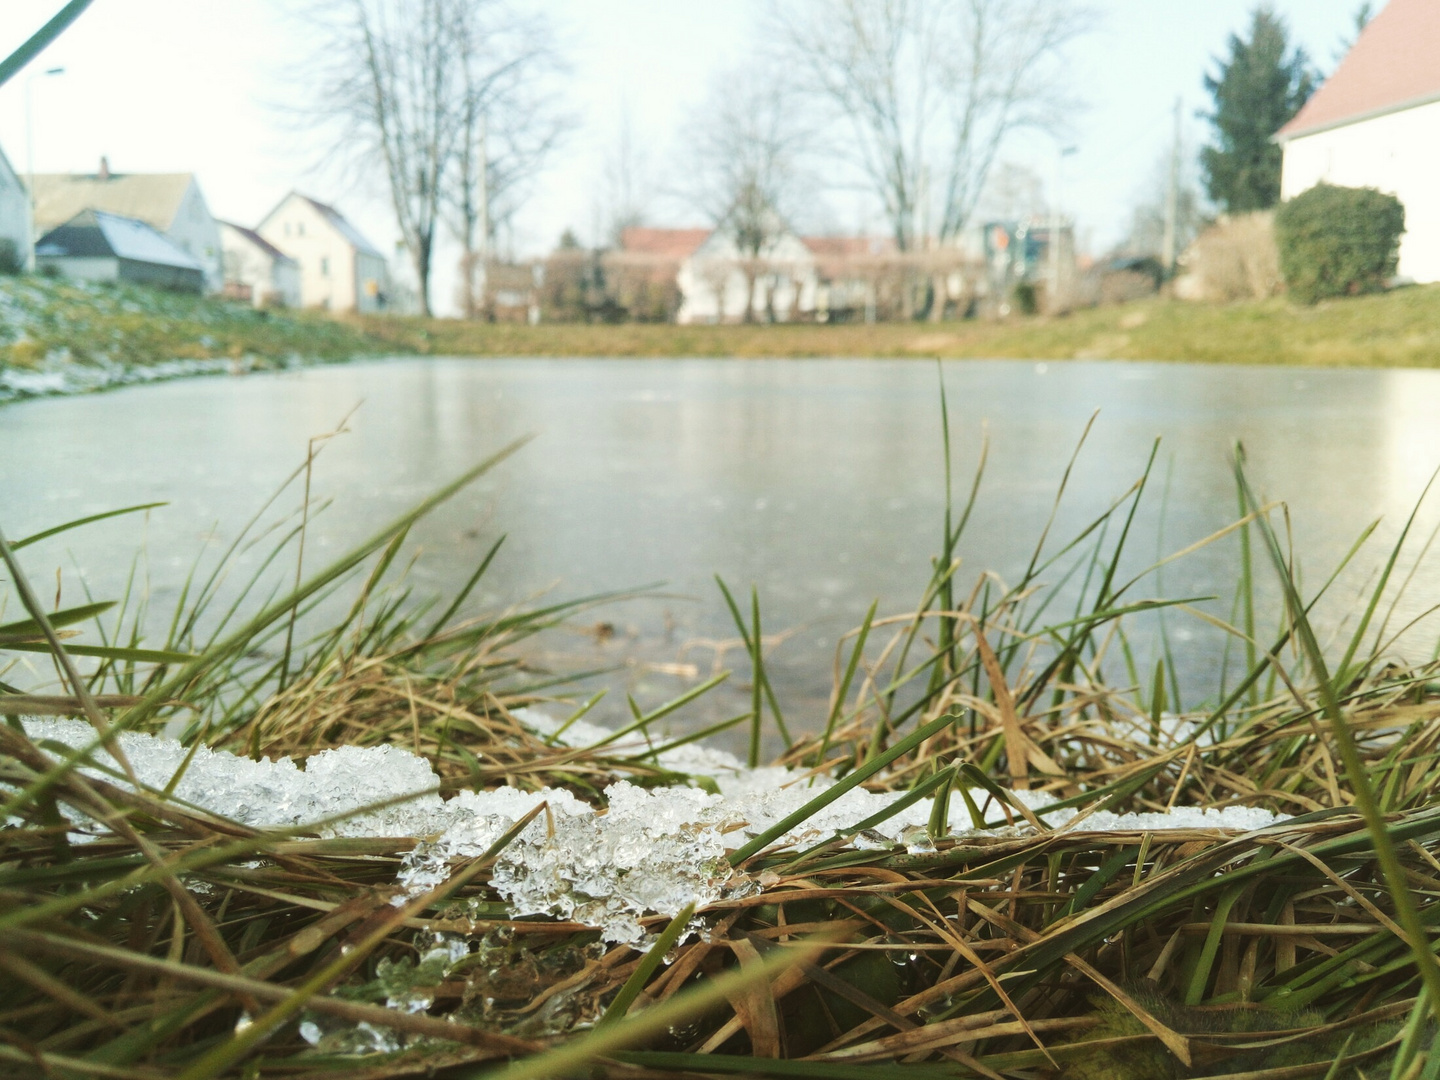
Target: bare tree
[
  {"x": 409, "y": 84},
  {"x": 510, "y": 120},
  {"x": 742, "y": 156},
  {"x": 625, "y": 193},
  {"x": 927, "y": 91},
  {"x": 386, "y": 79}
]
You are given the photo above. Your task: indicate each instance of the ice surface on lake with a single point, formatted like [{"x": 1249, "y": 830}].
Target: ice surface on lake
[{"x": 650, "y": 852}]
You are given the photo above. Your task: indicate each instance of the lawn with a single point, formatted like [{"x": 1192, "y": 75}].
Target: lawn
[{"x": 1397, "y": 329}]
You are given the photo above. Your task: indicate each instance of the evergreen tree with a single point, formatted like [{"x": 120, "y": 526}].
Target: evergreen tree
[{"x": 1257, "y": 89}]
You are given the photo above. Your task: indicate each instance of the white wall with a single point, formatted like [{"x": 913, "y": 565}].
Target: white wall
[
  {"x": 327, "y": 261},
  {"x": 98, "y": 268},
  {"x": 195, "y": 232},
  {"x": 1398, "y": 153},
  {"x": 15, "y": 215},
  {"x": 271, "y": 280},
  {"x": 712, "y": 283}
]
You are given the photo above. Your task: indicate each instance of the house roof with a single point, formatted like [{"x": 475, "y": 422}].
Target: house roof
[
  {"x": 662, "y": 243},
  {"x": 93, "y": 233},
  {"x": 337, "y": 221},
  {"x": 153, "y": 198},
  {"x": 253, "y": 237},
  {"x": 1394, "y": 64}
]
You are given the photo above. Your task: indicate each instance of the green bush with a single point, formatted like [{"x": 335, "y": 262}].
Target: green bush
[{"x": 1338, "y": 241}]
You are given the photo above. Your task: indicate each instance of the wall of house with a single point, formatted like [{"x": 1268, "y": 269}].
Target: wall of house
[
  {"x": 1398, "y": 153},
  {"x": 158, "y": 276},
  {"x": 370, "y": 274},
  {"x": 14, "y": 220},
  {"x": 270, "y": 280},
  {"x": 327, "y": 261},
  {"x": 713, "y": 282},
  {"x": 196, "y": 232},
  {"x": 96, "y": 268},
  {"x": 284, "y": 283}
]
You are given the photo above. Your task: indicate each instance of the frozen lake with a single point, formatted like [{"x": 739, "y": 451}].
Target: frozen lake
[{"x": 819, "y": 481}]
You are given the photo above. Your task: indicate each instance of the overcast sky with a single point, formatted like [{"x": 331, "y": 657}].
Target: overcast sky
[{"x": 200, "y": 86}]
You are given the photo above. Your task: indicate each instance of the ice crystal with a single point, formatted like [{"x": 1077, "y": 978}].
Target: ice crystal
[{"x": 646, "y": 853}]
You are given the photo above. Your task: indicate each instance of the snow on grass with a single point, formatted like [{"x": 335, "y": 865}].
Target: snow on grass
[{"x": 649, "y": 852}]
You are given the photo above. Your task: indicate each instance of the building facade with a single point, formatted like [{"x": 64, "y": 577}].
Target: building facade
[
  {"x": 170, "y": 203},
  {"x": 339, "y": 269},
  {"x": 16, "y": 228},
  {"x": 256, "y": 270},
  {"x": 1376, "y": 123}
]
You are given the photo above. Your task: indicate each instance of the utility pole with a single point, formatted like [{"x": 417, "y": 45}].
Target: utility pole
[
  {"x": 1172, "y": 201},
  {"x": 1056, "y": 224},
  {"x": 480, "y": 272}
]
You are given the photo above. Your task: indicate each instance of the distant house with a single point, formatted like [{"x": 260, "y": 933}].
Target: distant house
[
  {"x": 96, "y": 246},
  {"x": 256, "y": 270},
  {"x": 15, "y": 224},
  {"x": 170, "y": 203},
  {"x": 339, "y": 269},
  {"x": 1376, "y": 123}
]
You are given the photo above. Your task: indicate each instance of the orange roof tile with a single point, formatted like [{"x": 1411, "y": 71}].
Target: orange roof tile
[
  {"x": 1394, "y": 64},
  {"x": 662, "y": 243}
]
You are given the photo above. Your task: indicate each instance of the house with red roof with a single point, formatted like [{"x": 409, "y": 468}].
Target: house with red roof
[{"x": 1376, "y": 123}]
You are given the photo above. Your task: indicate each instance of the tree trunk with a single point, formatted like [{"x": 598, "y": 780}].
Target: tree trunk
[
  {"x": 938, "y": 294},
  {"x": 421, "y": 256}
]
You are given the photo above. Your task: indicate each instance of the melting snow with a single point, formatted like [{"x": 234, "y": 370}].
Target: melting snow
[{"x": 651, "y": 852}]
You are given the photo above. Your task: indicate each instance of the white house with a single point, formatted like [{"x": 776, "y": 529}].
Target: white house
[
  {"x": 1376, "y": 123},
  {"x": 339, "y": 269},
  {"x": 171, "y": 203},
  {"x": 256, "y": 270},
  {"x": 16, "y": 234},
  {"x": 96, "y": 246}
]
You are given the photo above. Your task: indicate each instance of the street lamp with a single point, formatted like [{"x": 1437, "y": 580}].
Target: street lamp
[
  {"x": 1061, "y": 153},
  {"x": 30, "y": 150}
]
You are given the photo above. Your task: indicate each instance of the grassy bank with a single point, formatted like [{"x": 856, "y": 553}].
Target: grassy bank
[
  {"x": 57, "y": 335},
  {"x": 177, "y": 942},
  {"x": 1397, "y": 329}
]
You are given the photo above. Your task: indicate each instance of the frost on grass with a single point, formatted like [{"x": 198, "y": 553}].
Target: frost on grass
[{"x": 649, "y": 852}]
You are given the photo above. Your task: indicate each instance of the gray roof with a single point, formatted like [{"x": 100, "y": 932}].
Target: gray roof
[
  {"x": 259, "y": 241},
  {"x": 94, "y": 233}
]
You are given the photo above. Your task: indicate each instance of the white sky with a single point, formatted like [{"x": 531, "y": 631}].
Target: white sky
[{"x": 198, "y": 86}]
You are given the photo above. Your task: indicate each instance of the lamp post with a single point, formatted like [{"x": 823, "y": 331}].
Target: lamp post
[
  {"x": 1061, "y": 153},
  {"x": 30, "y": 152}
]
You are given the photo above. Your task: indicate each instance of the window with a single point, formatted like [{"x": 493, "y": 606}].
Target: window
[{"x": 325, "y": 267}]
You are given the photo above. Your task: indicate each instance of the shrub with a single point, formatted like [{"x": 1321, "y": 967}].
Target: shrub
[
  {"x": 1025, "y": 298},
  {"x": 1234, "y": 259},
  {"x": 1337, "y": 241}
]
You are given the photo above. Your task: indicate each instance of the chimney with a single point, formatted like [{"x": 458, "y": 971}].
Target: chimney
[{"x": 104, "y": 173}]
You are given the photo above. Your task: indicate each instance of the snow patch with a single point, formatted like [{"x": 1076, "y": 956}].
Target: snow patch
[{"x": 650, "y": 852}]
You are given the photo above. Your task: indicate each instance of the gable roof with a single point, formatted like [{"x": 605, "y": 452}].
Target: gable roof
[
  {"x": 334, "y": 218},
  {"x": 1394, "y": 64},
  {"x": 259, "y": 241},
  {"x": 662, "y": 243},
  {"x": 94, "y": 233},
  {"x": 153, "y": 198}
]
